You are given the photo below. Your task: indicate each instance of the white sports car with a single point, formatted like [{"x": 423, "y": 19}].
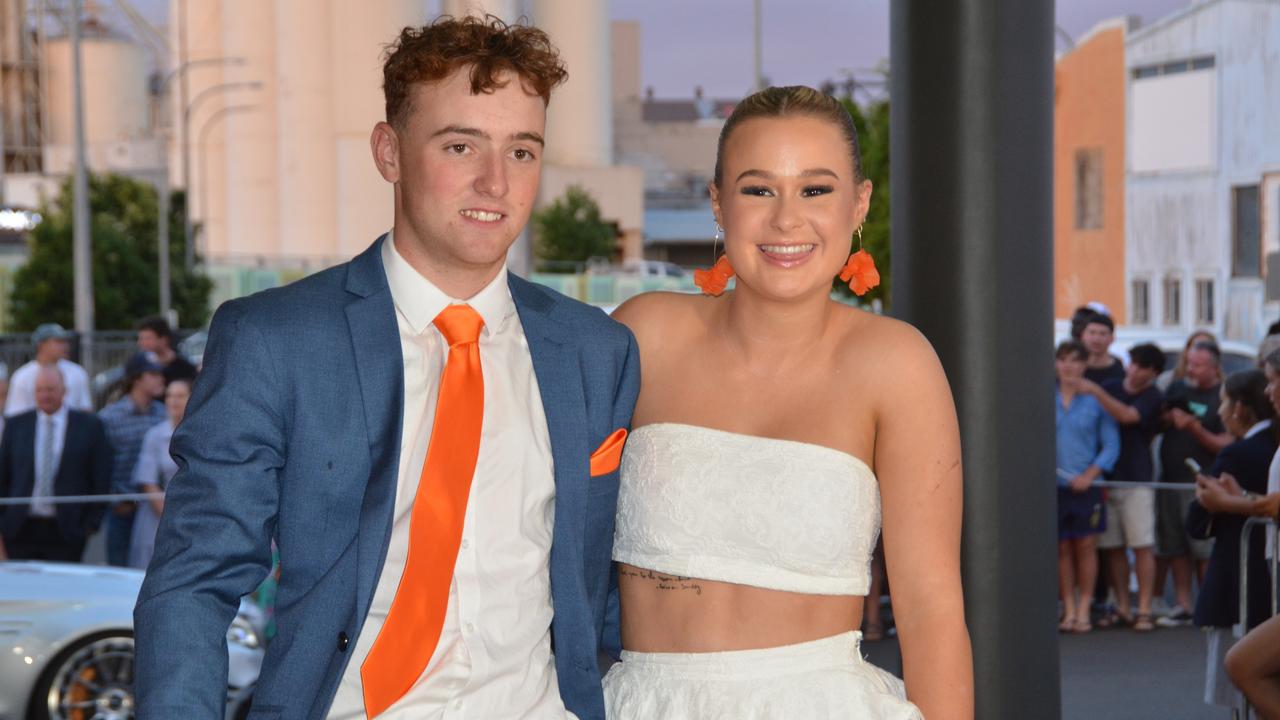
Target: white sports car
[{"x": 66, "y": 643}]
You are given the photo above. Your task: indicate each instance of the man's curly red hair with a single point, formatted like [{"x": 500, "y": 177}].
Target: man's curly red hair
[{"x": 488, "y": 46}]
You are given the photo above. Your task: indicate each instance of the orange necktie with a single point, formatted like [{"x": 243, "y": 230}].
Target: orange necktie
[{"x": 408, "y": 638}]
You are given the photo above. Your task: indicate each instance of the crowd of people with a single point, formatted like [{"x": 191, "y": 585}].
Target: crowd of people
[
  {"x": 1164, "y": 466},
  {"x": 54, "y": 444}
]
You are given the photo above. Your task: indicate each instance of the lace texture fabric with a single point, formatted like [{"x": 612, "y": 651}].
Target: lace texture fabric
[
  {"x": 757, "y": 511},
  {"x": 824, "y": 679}
]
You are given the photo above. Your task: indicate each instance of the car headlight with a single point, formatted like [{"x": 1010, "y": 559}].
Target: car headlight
[{"x": 242, "y": 633}]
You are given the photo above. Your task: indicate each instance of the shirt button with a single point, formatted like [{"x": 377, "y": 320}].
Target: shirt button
[
  {"x": 457, "y": 704},
  {"x": 470, "y": 628},
  {"x": 465, "y": 543}
]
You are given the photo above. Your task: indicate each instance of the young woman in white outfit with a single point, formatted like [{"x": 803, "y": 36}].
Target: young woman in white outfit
[{"x": 775, "y": 431}]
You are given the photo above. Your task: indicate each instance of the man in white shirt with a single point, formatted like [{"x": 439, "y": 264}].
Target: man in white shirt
[
  {"x": 433, "y": 442},
  {"x": 53, "y": 347},
  {"x": 45, "y": 452}
]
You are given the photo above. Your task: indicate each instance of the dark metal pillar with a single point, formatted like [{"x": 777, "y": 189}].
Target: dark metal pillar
[{"x": 971, "y": 149}]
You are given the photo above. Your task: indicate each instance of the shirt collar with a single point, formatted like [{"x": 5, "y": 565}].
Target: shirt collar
[
  {"x": 58, "y": 416},
  {"x": 420, "y": 301},
  {"x": 1257, "y": 428}
]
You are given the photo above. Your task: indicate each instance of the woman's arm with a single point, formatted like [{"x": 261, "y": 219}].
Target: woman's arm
[{"x": 917, "y": 461}]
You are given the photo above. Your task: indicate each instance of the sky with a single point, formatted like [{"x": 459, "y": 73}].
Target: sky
[{"x": 687, "y": 43}]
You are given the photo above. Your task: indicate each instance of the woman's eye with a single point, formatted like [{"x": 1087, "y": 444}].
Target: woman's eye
[
  {"x": 757, "y": 190},
  {"x": 815, "y": 190}
]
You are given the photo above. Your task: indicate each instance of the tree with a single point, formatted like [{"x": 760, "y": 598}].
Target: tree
[
  {"x": 872, "y": 123},
  {"x": 126, "y": 283},
  {"x": 570, "y": 230}
]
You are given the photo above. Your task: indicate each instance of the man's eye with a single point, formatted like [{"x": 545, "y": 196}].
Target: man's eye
[
  {"x": 458, "y": 148},
  {"x": 522, "y": 154}
]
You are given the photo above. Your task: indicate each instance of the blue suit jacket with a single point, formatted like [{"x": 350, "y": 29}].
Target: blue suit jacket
[{"x": 293, "y": 433}]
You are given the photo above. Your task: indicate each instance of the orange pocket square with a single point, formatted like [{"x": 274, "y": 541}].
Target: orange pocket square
[{"x": 608, "y": 456}]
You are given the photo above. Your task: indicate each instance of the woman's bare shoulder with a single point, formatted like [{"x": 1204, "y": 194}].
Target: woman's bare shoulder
[
  {"x": 894, "y": 350},
  {"x": 662, "y": 314}
]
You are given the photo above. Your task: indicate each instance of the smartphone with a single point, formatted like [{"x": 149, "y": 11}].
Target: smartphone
[{"x": 1195, "y": 466}]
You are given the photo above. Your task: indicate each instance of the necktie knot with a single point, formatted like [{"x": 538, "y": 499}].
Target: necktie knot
[{"x": 459, "y": 324}]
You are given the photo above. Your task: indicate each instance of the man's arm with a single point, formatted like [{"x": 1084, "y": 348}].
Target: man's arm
[
  {"x": 1211, "y": 441},
  {"x": 214, "y": 540},
  {"x": 1124, "y": 413},
  {"x": 624, "y": 404}
]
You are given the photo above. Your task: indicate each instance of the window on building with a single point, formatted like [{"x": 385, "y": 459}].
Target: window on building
[
  {"x": 1172, "y": 301},
  {"x": 1140, "y": 303},
  {"x": 1204, "y": 302},
  {"x": 1089, "y": 189},
  {"x": 1246, "y": 232}
]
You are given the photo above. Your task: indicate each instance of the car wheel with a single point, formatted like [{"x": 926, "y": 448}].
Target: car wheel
[{"x": 90, "y": 680}]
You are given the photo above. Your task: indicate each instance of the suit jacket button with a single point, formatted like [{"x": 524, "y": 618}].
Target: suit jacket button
[{"x": 343, "y": 642}]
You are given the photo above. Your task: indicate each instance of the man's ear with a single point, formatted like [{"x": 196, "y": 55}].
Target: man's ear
[{"x": 385, "y": 144}]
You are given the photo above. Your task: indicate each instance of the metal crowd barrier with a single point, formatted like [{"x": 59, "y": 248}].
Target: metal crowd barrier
[
  {"x": 72, "y": 499},
  {"x": 1242, "y": 627}
]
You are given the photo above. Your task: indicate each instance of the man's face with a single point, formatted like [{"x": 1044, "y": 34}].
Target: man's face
[
  {"x": 1202, "y": 368},
  {"x": 49, "y": 391},
  {"x": 148, "y": 341},
  {"x": 152, "y": 383},
  {"x": 1069, "y": 367},
  {"x": 466, "y": 171},
  {"x": 1138, "y": 376},
  {"x": 1097, "y": 338}
]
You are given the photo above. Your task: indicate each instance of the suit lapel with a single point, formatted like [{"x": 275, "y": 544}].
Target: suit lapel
[
  {"x": 25, "y": 439},
  {"x": 555, "y": 363},
  {"x": 375, "y": 341}
]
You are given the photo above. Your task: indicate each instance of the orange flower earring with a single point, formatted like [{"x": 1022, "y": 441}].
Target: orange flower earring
[
  {"x": 860, "y": 271},
  {"x": 713, "y": 280}
]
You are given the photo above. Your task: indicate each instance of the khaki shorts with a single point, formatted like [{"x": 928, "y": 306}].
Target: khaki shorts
[
  {"x": 1171, "y": 534},
  {"x": 1131, "y": 519}
]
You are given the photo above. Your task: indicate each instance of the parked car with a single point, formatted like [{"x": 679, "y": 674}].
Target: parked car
[
  {"x": 652, "y": 268},
  {"x": 66, "y": 643}
]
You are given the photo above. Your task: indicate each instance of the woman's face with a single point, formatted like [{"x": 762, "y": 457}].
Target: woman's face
[
  {"x": 1229, "y": 412},
  {"x": 789, "y": 203},
  {"x": 175, "y": 400},
  {"x": 1273, "y": 386}
]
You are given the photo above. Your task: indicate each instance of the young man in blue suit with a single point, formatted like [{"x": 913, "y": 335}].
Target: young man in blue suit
[{"x": 312, "y": 424}]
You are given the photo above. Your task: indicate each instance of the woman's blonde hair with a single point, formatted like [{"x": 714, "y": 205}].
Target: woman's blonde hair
[{"x": 789, "y": 101}]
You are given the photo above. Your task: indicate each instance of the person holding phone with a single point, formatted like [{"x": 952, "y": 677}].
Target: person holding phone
[
  {"x": 1192, "y": 430},
  {"x": 1247, "y": 413}
]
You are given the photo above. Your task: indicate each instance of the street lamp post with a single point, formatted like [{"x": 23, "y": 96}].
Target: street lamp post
[
  {"x": 187, "y": 112},
  {"x": 162, "y": 234},
  {"x": 204, "y": 158},
  {"x": 82, "y": 247}
]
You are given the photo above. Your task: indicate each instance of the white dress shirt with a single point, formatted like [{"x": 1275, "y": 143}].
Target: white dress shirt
[
  {"x": 494, "y": 657},
  {"x": 46, "y": 509},
  {"x": 22, "y": 388}
]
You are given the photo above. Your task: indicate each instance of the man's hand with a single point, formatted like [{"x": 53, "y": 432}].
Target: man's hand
[
  {"x": 1080, "y": 483},
  {"x": 124, "y": 509},
  {"x": 1182, "y": 419},
  {"x": 3, "y": 554}
]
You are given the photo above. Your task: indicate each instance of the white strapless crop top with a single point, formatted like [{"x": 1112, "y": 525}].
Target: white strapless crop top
[{"x": 717, "y": 505}]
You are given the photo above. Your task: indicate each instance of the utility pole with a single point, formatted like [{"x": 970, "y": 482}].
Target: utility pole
[{"x": 82, "y": 249}]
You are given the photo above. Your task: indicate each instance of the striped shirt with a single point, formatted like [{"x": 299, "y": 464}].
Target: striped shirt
[{"x": 126, "y": 426}]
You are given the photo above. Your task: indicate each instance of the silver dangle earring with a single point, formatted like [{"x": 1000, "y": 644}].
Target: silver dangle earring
[{"x": 715, "y": 241}]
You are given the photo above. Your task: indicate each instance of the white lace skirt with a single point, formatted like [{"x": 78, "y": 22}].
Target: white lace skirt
[{"x": 820, "y": 680}]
